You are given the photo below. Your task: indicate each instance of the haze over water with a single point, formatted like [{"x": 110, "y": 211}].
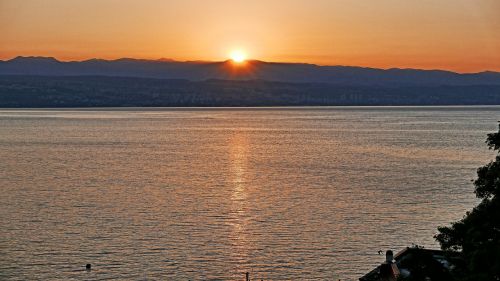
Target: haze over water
[{"x": 208, "y": 194}]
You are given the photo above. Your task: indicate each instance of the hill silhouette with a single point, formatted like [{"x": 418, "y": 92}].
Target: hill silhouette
[
  {"x": 251, "y": 70},
  {"x": 48, "y": 82}
]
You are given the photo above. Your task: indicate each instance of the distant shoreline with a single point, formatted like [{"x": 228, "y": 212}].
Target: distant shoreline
[
  {"x": 181, "y": 108},
  {"x": 109, "y": 92}
]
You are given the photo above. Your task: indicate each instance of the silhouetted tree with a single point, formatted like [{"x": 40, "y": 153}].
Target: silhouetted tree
[{"x": 477, "y": 235}]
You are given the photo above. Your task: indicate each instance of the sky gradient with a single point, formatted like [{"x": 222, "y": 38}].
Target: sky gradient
[{"x": 459, "y": 35}]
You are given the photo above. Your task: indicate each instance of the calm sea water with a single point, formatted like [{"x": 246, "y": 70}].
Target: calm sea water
[{"x": 209, "y": 194}]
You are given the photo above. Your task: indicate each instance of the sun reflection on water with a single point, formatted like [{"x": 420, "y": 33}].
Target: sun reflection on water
[
  {"x": 238, "y": 156},
  {"x": 238, "y": 149}
]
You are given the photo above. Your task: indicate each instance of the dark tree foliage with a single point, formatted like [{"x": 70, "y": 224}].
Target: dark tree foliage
[{"x": 477, "y": 235}]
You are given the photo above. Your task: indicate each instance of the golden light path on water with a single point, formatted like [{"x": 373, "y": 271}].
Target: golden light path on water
[{"x": 239, "y": 180}]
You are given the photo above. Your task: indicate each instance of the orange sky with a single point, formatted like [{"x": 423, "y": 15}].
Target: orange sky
[{"x": 461, "y": 35}]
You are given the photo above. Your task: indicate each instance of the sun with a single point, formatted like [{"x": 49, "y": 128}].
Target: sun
[{"x": 238, "y": 56}]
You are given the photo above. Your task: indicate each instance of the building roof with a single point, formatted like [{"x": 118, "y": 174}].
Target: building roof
[{"x": 415, "y": 261}]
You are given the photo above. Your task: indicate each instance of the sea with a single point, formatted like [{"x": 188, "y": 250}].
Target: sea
[{"x": 292, "y": 193}]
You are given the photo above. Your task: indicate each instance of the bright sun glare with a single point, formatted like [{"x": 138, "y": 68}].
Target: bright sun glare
[{"x": 238, "y": 56}]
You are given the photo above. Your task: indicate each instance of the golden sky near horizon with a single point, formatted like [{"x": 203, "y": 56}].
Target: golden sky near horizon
[{"x": 460, "y": 35}]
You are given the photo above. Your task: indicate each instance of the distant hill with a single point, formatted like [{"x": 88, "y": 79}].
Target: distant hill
[
  {"x": 101, "y": 91},
  {"x": 252, "y": 70},
  {"x": 47, "y": 82}
]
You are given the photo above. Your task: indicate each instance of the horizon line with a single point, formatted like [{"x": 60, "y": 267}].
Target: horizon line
[{"x": 167, "y": 60}]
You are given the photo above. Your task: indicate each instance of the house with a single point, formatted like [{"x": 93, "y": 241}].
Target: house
[{"x": 414, "y": 262}]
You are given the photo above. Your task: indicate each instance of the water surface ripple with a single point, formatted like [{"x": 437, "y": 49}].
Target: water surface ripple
[{"x": 208, "y": 194}]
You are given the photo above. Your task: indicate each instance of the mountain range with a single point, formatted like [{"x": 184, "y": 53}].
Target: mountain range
[
  {"x": 48, "y": 82},
  {"x": 249, "y": 70}
]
